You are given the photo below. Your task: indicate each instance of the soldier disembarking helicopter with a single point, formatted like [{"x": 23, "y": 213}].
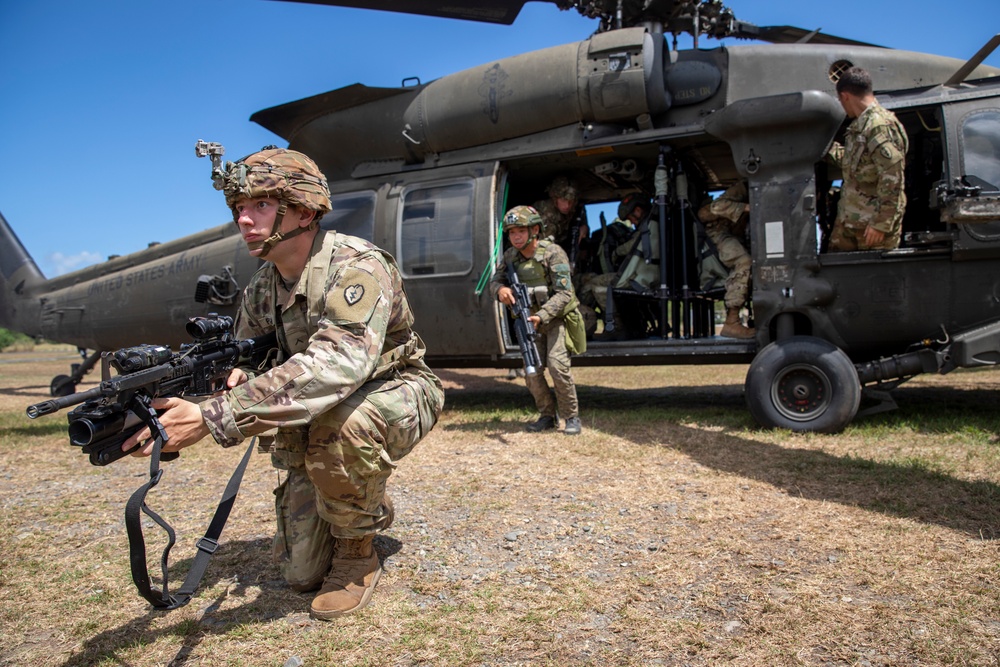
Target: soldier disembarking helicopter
[
  {"x": 872, "y": 160},
  {"x": 725, "y": 220}
]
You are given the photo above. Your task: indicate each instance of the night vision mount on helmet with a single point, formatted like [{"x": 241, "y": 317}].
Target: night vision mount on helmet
[{"x": 286, "y": 175}]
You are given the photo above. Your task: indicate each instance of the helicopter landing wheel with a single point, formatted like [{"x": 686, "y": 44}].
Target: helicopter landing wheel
[
  {"x": 803, "y": 384},
  {"x": 62, "y": 385}
]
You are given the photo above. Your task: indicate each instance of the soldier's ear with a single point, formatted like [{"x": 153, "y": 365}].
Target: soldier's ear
[{"x": 305, "y": 216}]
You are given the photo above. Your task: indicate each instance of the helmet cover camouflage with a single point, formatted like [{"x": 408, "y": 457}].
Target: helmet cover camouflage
[
  {"x": 563, "y": 188},
  {"x": 279, "y": 173},
  {"x": 630, "y": 203},
  {"x": 521, "y": 216}
]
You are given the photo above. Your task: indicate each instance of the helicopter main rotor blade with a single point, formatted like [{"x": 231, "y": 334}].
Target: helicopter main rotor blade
[
  {"x": 787, "y": 34},
  {"x": 494, "y": 11},
  {"x": 705, "y": 17}
]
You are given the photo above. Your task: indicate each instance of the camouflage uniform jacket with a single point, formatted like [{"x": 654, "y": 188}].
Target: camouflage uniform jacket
[
  {"x": 555, "y": 225},
  {"x": 728, "y": 210},
  {"x": 872, "y": 161},
  {"x": 345, "y": 322},
  {"x": 558, "y": 282},
  {"x": 617, "y": 241}
]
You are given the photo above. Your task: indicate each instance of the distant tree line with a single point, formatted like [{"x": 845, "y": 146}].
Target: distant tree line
[{"x": 9, "y": 338}]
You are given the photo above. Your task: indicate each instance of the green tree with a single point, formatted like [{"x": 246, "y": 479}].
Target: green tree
[{"x": 8, "y": 338}]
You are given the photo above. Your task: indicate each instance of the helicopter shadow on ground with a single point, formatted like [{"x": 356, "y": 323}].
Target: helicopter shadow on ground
[
  {"x": 498, "y": 392},
  {"x": 33, "y": 391},
  {"x": 240, "y": 562},
  {"x": 905, "y": 490},
  {"x": 941, "y": 409}
]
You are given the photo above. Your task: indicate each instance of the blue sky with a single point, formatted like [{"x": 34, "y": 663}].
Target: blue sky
[{"x": 101, "y": 101}]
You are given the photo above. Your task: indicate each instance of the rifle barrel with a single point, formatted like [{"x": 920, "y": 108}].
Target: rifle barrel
[{"x": 54, "y": 405}]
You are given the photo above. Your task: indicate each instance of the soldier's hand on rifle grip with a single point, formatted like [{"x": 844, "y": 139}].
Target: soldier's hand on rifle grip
[
  {"x": 236, "y": 377},
  {"x": 506, "y": 296},
  {"x": 181, "y": 420}
]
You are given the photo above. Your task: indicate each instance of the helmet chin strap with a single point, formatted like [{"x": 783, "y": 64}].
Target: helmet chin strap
[{"x": 277, "y": 236}]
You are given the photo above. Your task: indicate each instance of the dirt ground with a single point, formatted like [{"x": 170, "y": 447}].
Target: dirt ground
[{"x": 671, "y": 532}]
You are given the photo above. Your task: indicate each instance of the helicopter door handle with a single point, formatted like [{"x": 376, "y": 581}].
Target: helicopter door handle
[{"x": 406, "y": 131}]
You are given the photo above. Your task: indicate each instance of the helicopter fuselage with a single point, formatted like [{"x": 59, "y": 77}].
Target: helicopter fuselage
[{"x": 427, "y": 171}]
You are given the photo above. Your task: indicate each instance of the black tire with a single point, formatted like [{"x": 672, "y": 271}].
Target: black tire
[
  {"x": 62, "y": 385},
  {"x": 803, "y": 384}
]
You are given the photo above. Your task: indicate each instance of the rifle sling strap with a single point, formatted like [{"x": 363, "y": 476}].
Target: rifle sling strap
[{"x": 162, "y": 599}]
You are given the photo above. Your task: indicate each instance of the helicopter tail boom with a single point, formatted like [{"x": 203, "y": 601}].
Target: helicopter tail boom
[{"x": 18, "y": 275}]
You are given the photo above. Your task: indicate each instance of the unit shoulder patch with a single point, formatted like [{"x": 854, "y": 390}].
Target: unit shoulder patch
[{"x": 353, "y": 298}]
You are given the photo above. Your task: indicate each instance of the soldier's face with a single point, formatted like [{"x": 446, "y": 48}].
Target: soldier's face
[
  {"x": 565, "y": 206},
  {"x": 255, "y": 218},
  {"x": 635, "y": 217},
  {"x": 519, "y": 237},
  {"x": 851, "y": 103}
]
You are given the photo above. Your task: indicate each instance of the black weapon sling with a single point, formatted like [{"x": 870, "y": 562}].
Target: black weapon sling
[{"x": 162, "y": 599}]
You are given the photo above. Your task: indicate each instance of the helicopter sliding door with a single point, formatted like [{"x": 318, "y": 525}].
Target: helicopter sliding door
[{"x": 442, "y": 240}]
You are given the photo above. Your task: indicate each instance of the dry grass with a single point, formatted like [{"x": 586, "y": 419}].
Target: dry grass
[{"x": 672, "y": 532}]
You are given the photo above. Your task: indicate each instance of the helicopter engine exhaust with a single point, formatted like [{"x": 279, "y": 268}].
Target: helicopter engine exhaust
[{"x": 613, "y": 76}]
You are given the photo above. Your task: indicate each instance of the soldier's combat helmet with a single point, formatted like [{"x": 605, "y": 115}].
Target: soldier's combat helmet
[
  {"x": 276, "y": 172},
  {"x": 521, "y": 216},
  {"x": 563, "y": 188},
  {"x": 283, "y": 174},
  {"x": 630, "y": 203}
]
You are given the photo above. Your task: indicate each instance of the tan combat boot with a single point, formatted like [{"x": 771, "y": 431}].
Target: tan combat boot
[
  {"x": 733, "y": 327},
  {"x": 354, "y": 571}
]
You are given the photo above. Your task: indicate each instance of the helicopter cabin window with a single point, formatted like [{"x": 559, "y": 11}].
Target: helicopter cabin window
[
  {"x": 352, "y": 213},
  {"x": 981, "y": 150},
  {"x": 435, "y": 230}
]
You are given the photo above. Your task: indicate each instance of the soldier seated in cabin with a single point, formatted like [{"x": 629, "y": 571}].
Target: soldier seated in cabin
[
  {"x": 623, "y": 261},
  {"x": 725, "y": 219}
]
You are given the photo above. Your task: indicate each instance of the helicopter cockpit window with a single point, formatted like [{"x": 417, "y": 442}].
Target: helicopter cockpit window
[
  {"x": 981, "y": 150},
  {"x": 435, "y": 230},
  {"x": 352, "y": 213}
]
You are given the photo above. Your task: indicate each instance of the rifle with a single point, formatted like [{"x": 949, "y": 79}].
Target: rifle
[
  {"x": 523, "y": 328},
  {"x": 121, "y": 404},
  {"x": 579, "y": 222},
  {"x": 110, "y": 413}
]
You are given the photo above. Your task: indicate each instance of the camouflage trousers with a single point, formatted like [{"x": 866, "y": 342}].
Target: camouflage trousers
[
  {"x": 553, "y": 354},
  {"x": 844, "y": 238},
  {"x": 593, "y": 288},
  {"x": 338, "y": 468},
  {"x": 735, "y": 257},
  {"x": 593, "y": 293}
]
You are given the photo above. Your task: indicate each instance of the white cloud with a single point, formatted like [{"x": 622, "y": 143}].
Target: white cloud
[{"x": 60, "y": 263}]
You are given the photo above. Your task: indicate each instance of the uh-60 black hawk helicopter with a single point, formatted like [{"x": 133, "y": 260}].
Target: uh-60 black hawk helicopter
[{"x": 427, "y": 171}]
